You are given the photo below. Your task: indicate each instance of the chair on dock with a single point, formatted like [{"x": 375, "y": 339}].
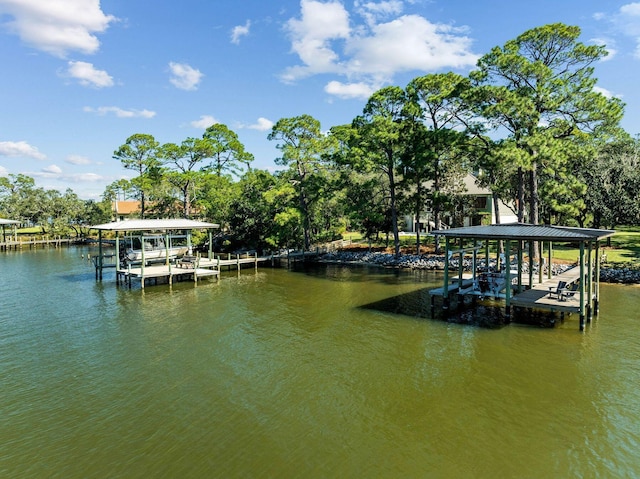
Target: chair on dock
[
  {"x": 558, "y": 291},
  {"x": 187, "y": 261},
  {"x": 571, "y": 290}
]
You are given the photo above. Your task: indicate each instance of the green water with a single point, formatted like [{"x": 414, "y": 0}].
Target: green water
[{"x": 280, "y": 374}]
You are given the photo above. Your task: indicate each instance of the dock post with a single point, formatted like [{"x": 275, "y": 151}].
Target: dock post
[
  {"x": 445, "y": 289},
  {"x": 100, "y": 259},
  {"x": 519, "y": 260},
  {"x": 487, "y": 258},
  {"x": 589, "y": 283},
  {"x": 582, "y": 287},
  {"x": 474, "y": 267},
  {"x": 596, "y": 302},
  {"x": 507, "y": 279},
  {"x": 460, "y": 264}
]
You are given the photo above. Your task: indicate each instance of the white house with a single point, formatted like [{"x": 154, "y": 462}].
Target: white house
[{"x": 482, "y": 211}]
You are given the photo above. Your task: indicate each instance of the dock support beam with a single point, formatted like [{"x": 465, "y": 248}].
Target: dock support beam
[
  {"x": 507, "y": 279},
  {"x": 596, "y": 302},
  {"x": 445, "y": 289},
  {"x": 99, "y": 263},
  {"x": 589, "y": 284},
  {"x": 582, "y": 286}
]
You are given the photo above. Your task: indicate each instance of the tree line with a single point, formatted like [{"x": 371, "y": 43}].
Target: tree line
[{"x": 528, "y": 122}]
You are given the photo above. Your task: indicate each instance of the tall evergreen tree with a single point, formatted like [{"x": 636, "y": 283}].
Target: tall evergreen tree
[
  {"x": 140, "y": 154},
  {"x": 379, "y": 143},
  {"x": 303, "y": 146},
  {"x": 539, "y": 89}
]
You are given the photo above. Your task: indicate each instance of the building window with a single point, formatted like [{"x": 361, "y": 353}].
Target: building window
[{"x": 480, "y": 203}]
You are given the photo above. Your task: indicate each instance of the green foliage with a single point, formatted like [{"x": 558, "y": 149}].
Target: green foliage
[
  {"x": 379, "y": 146},
  {"x": 539, "y": 88},
  {"x": 55, "y": 213},
  {"x": 140, "y": 154},
  {"x": 528, "y": 121},
  {"x": 227, "y": 151},
  {"x": 185, "y": 175},
  {"x": 304, "y": 150},
  {"x": 612, "y": 179}
]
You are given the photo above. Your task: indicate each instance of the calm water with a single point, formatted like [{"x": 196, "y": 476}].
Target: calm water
[{"x": 281, "y": 374}]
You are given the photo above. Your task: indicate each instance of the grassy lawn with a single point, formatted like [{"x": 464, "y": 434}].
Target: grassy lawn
[
  {"x": 30, "y": 231},
  {"x": 624, "y": 249}
]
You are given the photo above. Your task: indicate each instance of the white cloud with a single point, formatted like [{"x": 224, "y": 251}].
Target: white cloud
[
  {"x": 88, "y": 75},
  {"x": 262, "y": 124},
  {"x": 20, "y": 149},
  {"x": 350, "y": 90},
  {"x": 204, "y": 122},
  {"x": 627, "y": 22},
  {"x": 410, "y": 43},
  {"x": 4, "y": 171},
  {"x": 375, "y": 11},
  {"x": 52, "y": 169},
  {"x": 49, "y": 172},
  {"x": 629, "y": 18},
  {"x": 119, "y": 112},
  {"x": 78, "y": 160},
  {"x": 53, "y": 172},
  {"x": 328, "y": 42},
  {"x": 240, "y": 31},
  {"x": 184, "y": 76},
  {"x": 603, "y": 91},
  {"x": 606, "y": 93},
  {"x": 86, "y": 178},
  {"x": 57, "y": 26},
  {"x": 610, "y": 47},
  {"x": 312, "y": 36}
]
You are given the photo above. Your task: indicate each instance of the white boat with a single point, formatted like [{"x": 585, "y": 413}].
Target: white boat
[{"x": 150, "y": 249}]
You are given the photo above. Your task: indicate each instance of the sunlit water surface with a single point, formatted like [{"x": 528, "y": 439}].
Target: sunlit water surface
[{"x": 301, "y": 374}]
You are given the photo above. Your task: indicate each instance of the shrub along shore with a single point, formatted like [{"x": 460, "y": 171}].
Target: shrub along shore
[{"x": 608, "y": 273}]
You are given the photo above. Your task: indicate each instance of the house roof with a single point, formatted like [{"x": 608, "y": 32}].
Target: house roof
[
  {"x": 155, "y": 225},
  {"x": 8, "y": 222},
  {"x": 523, "y": 231},
  {"x": 472, "y": 187},
  {"x": 126, "y": 207}
]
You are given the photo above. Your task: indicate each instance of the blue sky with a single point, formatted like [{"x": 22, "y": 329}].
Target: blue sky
[{"x": 80, "y": 76}]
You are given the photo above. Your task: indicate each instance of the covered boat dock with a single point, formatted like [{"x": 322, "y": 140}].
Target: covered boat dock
[
  {"x": 155, "y": 262},
  {"x": 576, "y": 290},
  {"x": 4, "y": 223}
]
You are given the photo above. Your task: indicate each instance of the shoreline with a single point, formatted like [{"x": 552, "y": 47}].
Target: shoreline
[{"x": 432, "y": 262}]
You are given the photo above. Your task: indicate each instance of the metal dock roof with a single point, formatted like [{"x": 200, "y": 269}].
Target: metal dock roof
[
  {"x": 524, "y": 231},
  {"x": 155, "y": 225}
]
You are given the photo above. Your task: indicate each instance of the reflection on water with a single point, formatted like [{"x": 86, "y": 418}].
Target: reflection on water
[{"x": 320, "y": 372}]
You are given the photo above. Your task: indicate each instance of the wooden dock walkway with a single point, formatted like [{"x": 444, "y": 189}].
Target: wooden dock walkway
[
  {"x": 191, "y": 267},
  {"x": 19, "y": 244},
  {"x": 170, "y": 273},
  {"x": 538, "y": 297}
]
